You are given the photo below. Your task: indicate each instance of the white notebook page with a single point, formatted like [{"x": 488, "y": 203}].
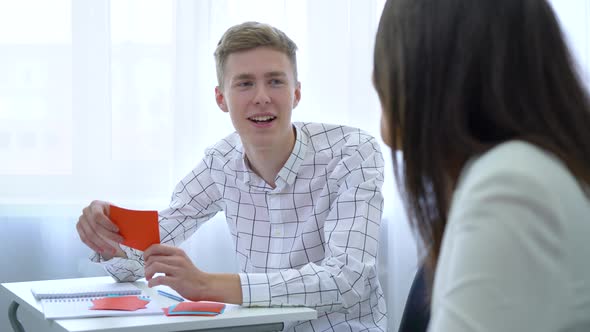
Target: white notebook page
[{"x": 79, "y": 308}]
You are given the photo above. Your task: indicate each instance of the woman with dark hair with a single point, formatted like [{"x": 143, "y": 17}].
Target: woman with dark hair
[{"x": 482, "y": 99}]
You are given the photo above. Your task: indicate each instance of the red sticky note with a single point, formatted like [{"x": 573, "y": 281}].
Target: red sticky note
[
  {"x": 167, "y": 312},
  {"x": 139, "y": 228},
  {"x": 200, "y": 308},
  {"x": 126, "y": 303}
]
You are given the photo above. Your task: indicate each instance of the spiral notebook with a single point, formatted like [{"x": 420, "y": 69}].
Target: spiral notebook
[{"x": 60, "y": 301}]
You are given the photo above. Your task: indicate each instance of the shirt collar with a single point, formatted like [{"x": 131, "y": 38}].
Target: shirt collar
[{"x": 288, "y": 172}]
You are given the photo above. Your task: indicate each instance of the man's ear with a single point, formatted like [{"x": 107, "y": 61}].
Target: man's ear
[
  {"x": 220, "y": 99},
  {"x": 297, "y": 94}
]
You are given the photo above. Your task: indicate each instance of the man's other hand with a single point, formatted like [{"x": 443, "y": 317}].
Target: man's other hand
[{"x": 185, "y": 278}]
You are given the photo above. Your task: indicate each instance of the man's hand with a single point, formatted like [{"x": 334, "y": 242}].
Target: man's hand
[
  {"x": 185, "y": 278},
  {"x": 98, "y": 232}
]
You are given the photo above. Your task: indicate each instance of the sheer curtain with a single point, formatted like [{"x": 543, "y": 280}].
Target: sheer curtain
[
  {"x": 574, "y": 17},
  {"x": 115, "y": 99}
]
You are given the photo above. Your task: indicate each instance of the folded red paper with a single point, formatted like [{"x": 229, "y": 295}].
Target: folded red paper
[
  {"x": 127, "y": 303},
  {"x": 200, "y": 308},
  {"x": 139, "y": 228}
]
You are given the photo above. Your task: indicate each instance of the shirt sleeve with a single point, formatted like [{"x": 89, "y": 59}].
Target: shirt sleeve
[
  {"x": 347, "y": 275},
  {"x": 501, "y": 262},
  {"x": 194, "y": 201}
]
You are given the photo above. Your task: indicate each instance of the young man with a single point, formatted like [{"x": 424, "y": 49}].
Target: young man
[{"x": 302, "y": 200}]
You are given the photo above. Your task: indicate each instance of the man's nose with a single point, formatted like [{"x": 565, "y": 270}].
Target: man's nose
[{"x": 262, "y": 96}]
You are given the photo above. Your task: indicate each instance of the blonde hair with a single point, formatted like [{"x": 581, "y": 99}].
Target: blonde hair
[{"x": 249, "y": 35}]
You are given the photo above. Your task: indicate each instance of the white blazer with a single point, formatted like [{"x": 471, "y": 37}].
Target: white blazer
[{"x": 515, "y": 254}]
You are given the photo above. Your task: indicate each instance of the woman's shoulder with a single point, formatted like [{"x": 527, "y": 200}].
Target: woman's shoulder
[
  {"x": 521, "y": 174},
  {"x": 518, "y": 156},
  {"x": 519, "y": 160}
]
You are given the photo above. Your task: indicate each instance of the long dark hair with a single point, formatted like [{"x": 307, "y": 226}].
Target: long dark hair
[{"x": 458, "y": 77}]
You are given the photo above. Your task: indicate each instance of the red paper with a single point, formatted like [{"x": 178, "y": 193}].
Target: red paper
[
  {"x": 189, "y": 308},
  {"x": 199, "y": 306},
  {"x": 187, "y": 314},
  {"x": 127, "y": 303},
  {"x": 139, "y": 228}
]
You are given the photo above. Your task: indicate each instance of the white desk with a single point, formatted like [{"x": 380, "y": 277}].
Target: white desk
[{"x": 239, "y": 319}]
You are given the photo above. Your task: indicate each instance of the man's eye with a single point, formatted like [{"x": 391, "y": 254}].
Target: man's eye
[
  {"x": 244, "y": 84},
  {"x": 276, "y": 82}
]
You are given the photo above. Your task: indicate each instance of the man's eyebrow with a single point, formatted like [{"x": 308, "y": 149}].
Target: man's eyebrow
[
  {"x": 249, "y": 76},
  {"x": 275, "y": 74},
  {"x": 244, "y": 76}
]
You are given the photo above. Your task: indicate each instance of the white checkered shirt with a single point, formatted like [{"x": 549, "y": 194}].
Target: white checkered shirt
[{"x": 311, "y": 241}]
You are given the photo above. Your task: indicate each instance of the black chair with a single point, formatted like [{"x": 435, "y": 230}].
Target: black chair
[{"x": 417, "y": 310}]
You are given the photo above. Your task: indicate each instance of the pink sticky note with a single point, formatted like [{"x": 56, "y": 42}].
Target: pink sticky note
[{"x": 126, "y": 303}]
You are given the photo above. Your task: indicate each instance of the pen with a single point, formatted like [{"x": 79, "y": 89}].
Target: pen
[{"x": 170, "y": 296}]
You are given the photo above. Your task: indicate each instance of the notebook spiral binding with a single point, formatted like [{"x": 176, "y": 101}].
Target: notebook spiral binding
[
  {"x": 73, "y": 299},
  {"x": 95, "y": 294},
  {"x": 87, "y": 299}
]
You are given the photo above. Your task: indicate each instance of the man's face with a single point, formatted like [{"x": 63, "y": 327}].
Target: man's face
[{"x": 259, "y": 92}]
